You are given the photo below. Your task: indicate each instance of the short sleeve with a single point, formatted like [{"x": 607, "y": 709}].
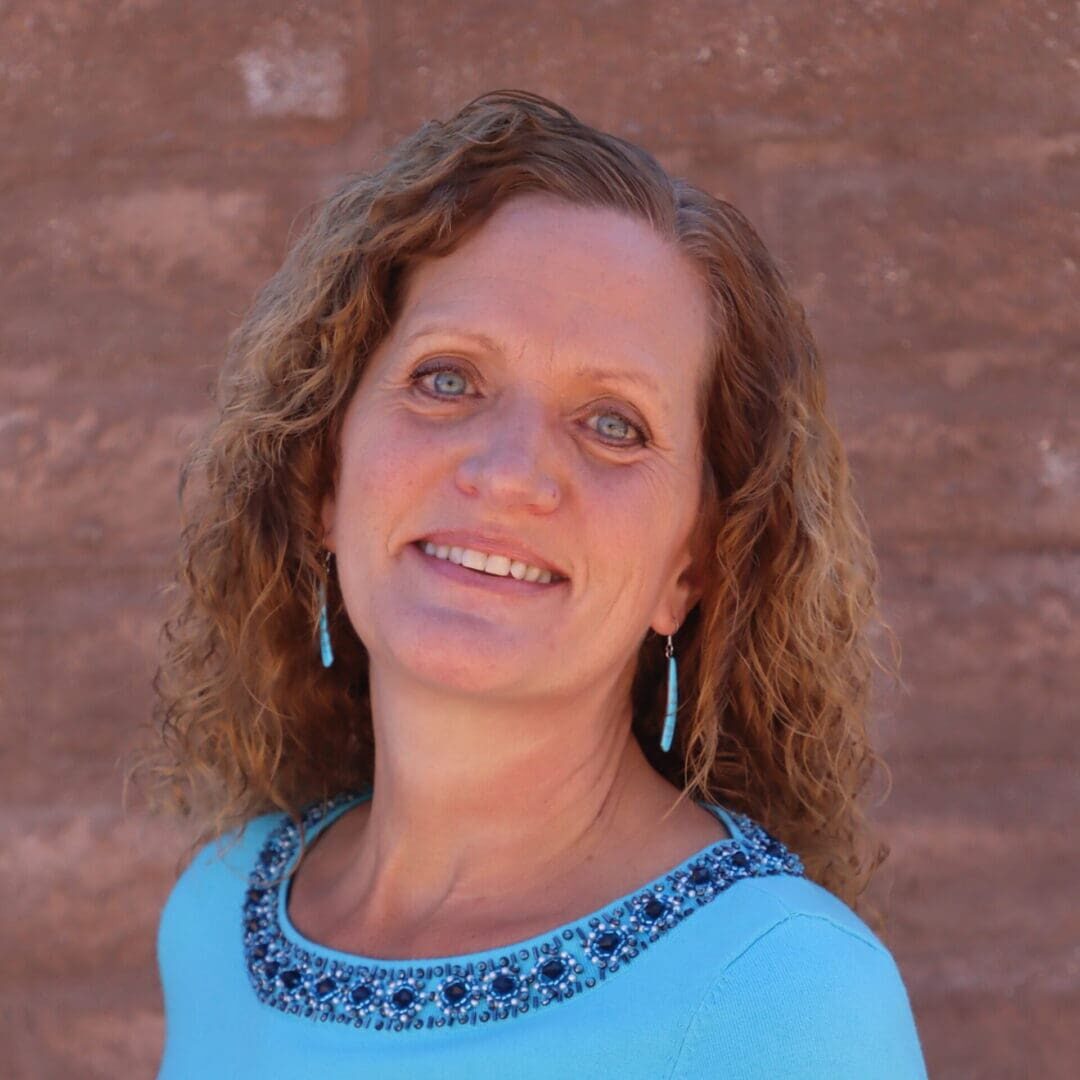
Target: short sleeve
[{"x": 808, "y": 999}]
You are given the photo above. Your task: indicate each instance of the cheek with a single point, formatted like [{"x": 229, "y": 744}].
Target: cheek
[
  {"x": 387, "y": 472},
  {"x": 628, "y": 521}
]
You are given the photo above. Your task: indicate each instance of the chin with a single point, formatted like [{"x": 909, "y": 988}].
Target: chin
[{"x": 458, "y": 651}]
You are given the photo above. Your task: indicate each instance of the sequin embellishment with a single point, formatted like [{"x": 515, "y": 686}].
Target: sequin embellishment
[{"x": 505, "y": 984}]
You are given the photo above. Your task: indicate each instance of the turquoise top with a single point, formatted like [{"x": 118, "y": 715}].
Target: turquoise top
[{"x": 772, "y": 977}]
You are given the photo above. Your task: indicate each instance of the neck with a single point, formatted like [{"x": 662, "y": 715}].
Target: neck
[{"x": 479, "y": 801}]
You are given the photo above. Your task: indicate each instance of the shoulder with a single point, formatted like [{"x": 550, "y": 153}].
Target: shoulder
[
  {"x": 810, "y": 988},
  {"x": 781, "y": 898},
  {"x": 212, "y": 882},
  {"x": 233, "y": 852}
]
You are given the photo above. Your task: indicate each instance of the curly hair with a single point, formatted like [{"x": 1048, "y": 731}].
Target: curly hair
[{"x": 776, "y": 657}]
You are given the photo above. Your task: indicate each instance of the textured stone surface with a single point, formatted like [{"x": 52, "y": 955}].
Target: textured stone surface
[
  {"x": 705, "y": 73},
  {"x": 133, "y": 275},
  {"x": 96, "y": 1029},
  {"x": 79, "y": 866},
  {"x": 965, "y": 448},
  {"x": 964, "y": 828},
  {"x": 991, "y": 650},
  {"x": 76, "y": 662},
  {"x": 932, "y": 253},
  {"x": 1018, "y": 1035},
  {"x": 91, "y": 477},
  {"x": 913, "y": 166},
  {"x": 979, "y": 893},
  {"x": 156, "y": 79}
]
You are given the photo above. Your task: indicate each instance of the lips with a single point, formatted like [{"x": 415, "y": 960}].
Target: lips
[
  {"x": 494, "y": 543},
  {"x": 481, "y": 583}
]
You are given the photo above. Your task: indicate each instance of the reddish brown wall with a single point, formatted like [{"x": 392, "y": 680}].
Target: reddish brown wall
[{"x": 914, "y": 164}]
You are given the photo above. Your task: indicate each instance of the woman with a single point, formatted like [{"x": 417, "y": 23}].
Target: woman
[{"x": 522, "y": 617}]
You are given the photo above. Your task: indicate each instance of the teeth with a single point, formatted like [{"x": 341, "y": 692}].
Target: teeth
[
  {"x": 498, "y": 565},
  {"x": 474, "y": 560}
]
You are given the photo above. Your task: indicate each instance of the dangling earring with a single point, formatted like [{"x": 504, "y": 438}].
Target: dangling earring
[
  {"x": 324, "y": 623},
  {"x": 672, "y": 697}
]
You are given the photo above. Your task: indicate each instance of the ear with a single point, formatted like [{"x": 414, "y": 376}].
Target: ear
[{"x": 677, "y": 599}]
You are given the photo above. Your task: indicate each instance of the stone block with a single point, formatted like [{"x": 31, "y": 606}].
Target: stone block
[
  {"x": 98, "y": 1028},
  {"x": 979, "y": 894},
  {"x": 991, "y": 651},
  {"x": 708, "y": 75},
  {"x": 929, "y": 255},
  {"x": 91, "y": 883},
  {"x": 90, "y": 472},
  {"x": 76, "y": 662},
  {"x": 979, "y": 1035},
  {"x": 106, "y": 273},
  {"x": 979, "y": 882},
  {"x": 975, "y": 448},
  {"x": 106, "y": 80}
]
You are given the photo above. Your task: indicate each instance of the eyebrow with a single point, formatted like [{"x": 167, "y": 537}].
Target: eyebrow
[{"x": 488, "y": 343}]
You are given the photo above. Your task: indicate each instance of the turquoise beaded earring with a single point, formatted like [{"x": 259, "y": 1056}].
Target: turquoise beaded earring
[
  {"x": 324, "y": 623},
  {"x": 672, "y": 697}
]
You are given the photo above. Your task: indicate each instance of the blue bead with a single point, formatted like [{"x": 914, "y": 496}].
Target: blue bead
[
  {"x": 654, "y": 909},
  {"x": 607, "y": 942}
]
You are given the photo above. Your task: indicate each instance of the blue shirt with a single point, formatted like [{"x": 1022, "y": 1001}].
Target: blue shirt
[{"x": 732, "y": 964}]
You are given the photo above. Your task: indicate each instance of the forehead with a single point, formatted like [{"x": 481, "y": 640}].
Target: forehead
[{"x": 594, "y": 283}]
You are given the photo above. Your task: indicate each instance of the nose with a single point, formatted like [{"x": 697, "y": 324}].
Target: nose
[{"x": 511, "y": 467}]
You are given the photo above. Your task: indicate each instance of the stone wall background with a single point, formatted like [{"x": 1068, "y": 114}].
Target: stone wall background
[{"x": 914, "y": 165}]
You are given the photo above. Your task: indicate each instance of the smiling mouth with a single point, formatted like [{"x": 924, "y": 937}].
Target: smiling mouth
[{"x": 488, "y": 565}]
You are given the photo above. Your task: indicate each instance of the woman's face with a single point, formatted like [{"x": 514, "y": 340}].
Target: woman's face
[{"x": 535, "y": 398}]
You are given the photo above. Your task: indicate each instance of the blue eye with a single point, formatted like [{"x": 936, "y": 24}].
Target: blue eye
[
  {"x": 443, "y": 383},
  {"x": 616, "y": 433},
  {"x": 445, "y": 374},
  {"x": 449, "y": 381}
]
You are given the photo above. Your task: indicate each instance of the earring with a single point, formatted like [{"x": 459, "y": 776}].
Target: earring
[
  {"x": 672, "y": 697},
  {"x": 324, "y": 623}
]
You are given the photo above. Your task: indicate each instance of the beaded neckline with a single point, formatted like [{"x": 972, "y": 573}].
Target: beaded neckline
[{"x": 308, "y": 980}]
